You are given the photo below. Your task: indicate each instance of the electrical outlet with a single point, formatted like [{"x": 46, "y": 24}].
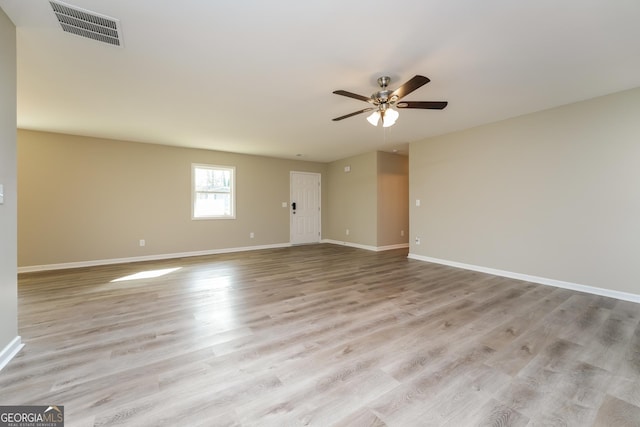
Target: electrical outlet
[
  {"x": 418, "y": 202},
  {"x": 401, "y": 233},
  {"x": 417, "y": 240},
  {"x": 251, "y": 235},
  {"x": 347, "y": 232},
  {"x": 142, "y": 242}
]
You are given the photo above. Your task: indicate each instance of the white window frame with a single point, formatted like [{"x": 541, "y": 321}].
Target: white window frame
[{"x": 232, "y": 186}]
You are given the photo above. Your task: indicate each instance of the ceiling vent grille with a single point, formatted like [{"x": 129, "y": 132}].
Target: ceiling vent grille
[{"x": 88, "y": 24}]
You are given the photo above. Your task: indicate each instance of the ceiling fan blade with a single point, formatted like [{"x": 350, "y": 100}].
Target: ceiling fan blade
[
  {"x": 426, "y": 105},
  {"x": 346, "y": 116},
  {"x": 353, "y": 95},
  {"x": 414, "y": 83}
]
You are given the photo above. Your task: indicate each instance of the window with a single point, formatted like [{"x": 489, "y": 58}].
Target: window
[{"x": 213, "y": 191}]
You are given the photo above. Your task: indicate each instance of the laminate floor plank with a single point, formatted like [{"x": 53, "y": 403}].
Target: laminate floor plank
[
  {"x": 429, "y": 375},
  {"x": 538, "y": 336},
  {"x": 608, "y": 348},
  {"x": 616, "y": 412},
  {"x": 491, "y": 413},
  {"x": 625, "y": 389},
  {"x": 320, "y": 335},
  {"x": 361, "y": 418}
]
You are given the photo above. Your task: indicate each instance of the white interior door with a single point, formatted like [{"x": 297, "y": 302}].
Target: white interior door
[{"x": 305, "y": 207}]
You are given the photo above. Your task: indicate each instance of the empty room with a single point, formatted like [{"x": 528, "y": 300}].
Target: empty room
[{"x": 358, "y": 213}]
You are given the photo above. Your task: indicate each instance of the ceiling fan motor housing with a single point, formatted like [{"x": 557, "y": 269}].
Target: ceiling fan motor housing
[{"x": 382, "y": 97}]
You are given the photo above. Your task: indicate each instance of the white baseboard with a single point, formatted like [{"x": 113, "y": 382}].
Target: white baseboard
[
  {"x": 625, "y": 296},
  {"x": 392, "y": 247},
  {"x": 351, "y": 245},
  {"x": 47, "y": 267},
  {"x": 10, "y": 351},
  {"x": 367, "y": 247}
]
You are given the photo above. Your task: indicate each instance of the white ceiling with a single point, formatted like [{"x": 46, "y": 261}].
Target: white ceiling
[{"x": 256, "y": 77}]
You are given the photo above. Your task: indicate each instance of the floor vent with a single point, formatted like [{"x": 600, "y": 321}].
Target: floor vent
[{"x": 88, "y": 24}]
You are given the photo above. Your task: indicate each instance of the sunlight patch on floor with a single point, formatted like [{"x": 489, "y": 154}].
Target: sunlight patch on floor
[{"x": 147, "y": 274}]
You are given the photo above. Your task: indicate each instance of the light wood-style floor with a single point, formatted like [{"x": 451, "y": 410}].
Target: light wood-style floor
[{"x": 321, "y": 335}]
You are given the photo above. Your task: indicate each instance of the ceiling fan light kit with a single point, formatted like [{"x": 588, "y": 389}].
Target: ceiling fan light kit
[
  {"x": 384, "y": 99},
  {"x": 388, "y": 117}
]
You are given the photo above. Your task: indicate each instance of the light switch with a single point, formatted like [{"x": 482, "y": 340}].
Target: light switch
[
  {"x": 284, "y": 204},
  {"x": 417, "y": 202},
  {"x": 1, "y": 194}
]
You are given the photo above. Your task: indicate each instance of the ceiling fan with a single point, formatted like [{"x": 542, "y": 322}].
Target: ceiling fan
[{"x": 385, "y": 98}]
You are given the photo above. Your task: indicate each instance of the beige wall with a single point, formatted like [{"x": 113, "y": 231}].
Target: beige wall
[
  {"x": 393, "y": 199},
  {"x": 552, "y": 194},
  {"x": 353, "y": 200},
  {"x": 8, "y": 210},
  {"x": 88, "y": 199},
  {"x": 371, "y": 200}
]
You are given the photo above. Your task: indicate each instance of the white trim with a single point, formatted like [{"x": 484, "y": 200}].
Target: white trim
[
  {"x": 367, "y": 247},
  {"x": 392, "y": 247},
  {"x": 93, "y": 263},
  {"x": 625, "y": 296},
  {"x": 195, "y": 166},
  {"x": 10, "y": 351},
  {"x": 351, "y": 245}
]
